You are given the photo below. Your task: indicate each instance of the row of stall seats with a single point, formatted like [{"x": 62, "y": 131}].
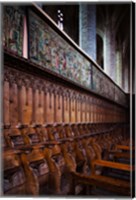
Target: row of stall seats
[{"x": 64, "y": 159}]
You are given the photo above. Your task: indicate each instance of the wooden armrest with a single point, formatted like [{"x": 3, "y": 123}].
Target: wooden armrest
[
  {"x": 100, "y": 178},
  {"x": 120, "y": 154},
  {"x": 53, "y": 142},
  {"x": 102, "y": 181},
  {"x": 111, "y": 164},
  {"x": 24, "y": 147},
  {"x": 108, "y": 183},
  {"x": 124, "y": 147},
  {"x": 21, "y": 126},
  {"x": 68, "y": 139},
  {"x": 11, "y": 160}
]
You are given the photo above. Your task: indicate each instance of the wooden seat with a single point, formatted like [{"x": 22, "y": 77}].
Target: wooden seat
[
  {"x": 33, "y": 136},
  {"x": 50, "y": 131},
  {"x": 14, "y": 182},
  {"x": 74, "y": 129},
  {"x": 17, "y": 139},
  {"x": 56, "y": 165},
  {"x": 49, "y": 153},
  {"x": 86, "y": 127},
  {"x": 68, "y": 130},
  {"x": 80, "y": 128},
  {"x": 36, "y": 170},
  {"x": 59, "y": 130}
]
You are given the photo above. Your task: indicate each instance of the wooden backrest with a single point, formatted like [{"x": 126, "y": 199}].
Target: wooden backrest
[
  {"x": 14, "y": 176},
  {"x": 60, "y": 130},
  {"x": 73, "y": 129},
  {"x": 80, "y": 128},
  {"x": 16, "y": 138},
  {"x": 68, "y": 130},
  {"x": 50, "y": 131}
]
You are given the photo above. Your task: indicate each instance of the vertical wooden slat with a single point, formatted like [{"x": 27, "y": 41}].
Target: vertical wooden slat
[
  {"x": 27, "y": 106},
  {"x": 73, "y": 110},
  {"x": 77, "y": 115},
  {"x": 65, "y": 108},
  {"x": 86, "y": 109},
  {"x": 20, "y": 112},
  {"x": 50, "y": 107},
  {"x": 58, "y": 108},
  {"x": 13, "y": 104},
  {"x": 62, "y": 107},
  {"x": 66, "y": 114},
  {"x": 45, "y": 107},
  {"x": 36, "y": 106},
  {"x": 42, "y": 106},
  {"x": 76, "y": 110},
  {"x": 6, "y": 117},
  {"x": 90, "y": 104},
  {"x": 27, "y": 96},
  {"x": 33, "y": 105},
  {"x": 81, "y": 111},
  {"x": 55, "y": 108},
  {"x": 23, "y": 101},
  {"x": 92, "y": 111},
  {"x": 30, "y": 103},
  {"x": 40, "y": 118},
  {"x": 69, "y": 109}
]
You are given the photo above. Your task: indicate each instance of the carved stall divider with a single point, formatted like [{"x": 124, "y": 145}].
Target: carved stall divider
[{"x": 33, "y": 100}]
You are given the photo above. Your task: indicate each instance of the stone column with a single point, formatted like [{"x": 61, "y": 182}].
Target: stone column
[
  {"x": 87, "y": 29},
  {"x": 109, "y": 52},
  {"x": 119, "y": 68},
  {"x": 126, "y": 76}
]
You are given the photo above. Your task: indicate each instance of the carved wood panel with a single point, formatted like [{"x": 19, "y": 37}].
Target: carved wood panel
[{"x": 29, "y": 99}]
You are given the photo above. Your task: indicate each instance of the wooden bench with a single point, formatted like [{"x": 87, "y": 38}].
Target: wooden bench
[
  {"x": 117, "y": 186},
  {"x": 112, "y": 165}
]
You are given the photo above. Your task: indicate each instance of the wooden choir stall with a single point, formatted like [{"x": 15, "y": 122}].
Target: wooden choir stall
[{"x": 65, "y": 122}]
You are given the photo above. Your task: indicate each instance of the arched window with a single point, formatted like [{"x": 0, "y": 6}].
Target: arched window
[{"x": 100, "y": 51}]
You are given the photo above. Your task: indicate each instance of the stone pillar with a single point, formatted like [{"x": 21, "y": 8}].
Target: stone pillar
[
  {"x": 126, "y": 77},
  {"x": 87, "y": 29},
  {"x": 109, "y": 52},
  {"x": 119, "y": 68}
]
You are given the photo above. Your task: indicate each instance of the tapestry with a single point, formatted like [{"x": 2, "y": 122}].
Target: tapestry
[
  {"x": 49, "y": 49},
  {"x": 101, "y": 84},
  {"x": 105, "y": 87},
  {"x": 13, "y": 26}
]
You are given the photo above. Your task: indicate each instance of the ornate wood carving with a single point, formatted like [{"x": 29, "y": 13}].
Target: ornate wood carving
[{"x": 77, "y": 103}]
